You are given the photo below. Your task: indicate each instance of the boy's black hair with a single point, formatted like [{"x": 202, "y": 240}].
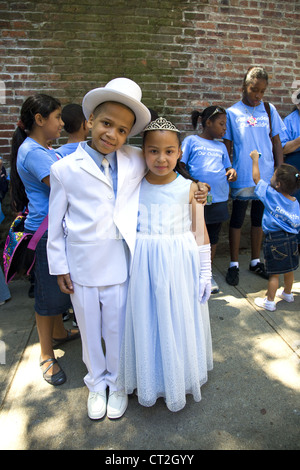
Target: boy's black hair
[{"x": 73, "y": 117}]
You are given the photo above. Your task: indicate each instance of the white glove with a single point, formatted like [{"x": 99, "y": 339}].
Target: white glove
[{"x": 205, "y": 273}]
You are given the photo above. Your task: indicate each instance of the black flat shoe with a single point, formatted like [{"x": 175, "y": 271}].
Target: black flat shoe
[
  {"x": 57, "y": 379},
  {"x": 259, "y": 269},
  {"x": 70, "y": 336}
]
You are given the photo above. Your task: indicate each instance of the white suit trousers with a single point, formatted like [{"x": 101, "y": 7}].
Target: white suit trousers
[{"x": 100, "y": 313}]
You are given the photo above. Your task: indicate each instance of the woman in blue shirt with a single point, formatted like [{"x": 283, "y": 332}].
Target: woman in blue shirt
[
  {"x": 247, "y": 128},
  {"x": 31, "y": 160}
]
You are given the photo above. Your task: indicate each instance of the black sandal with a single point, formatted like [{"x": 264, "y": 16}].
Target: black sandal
[
  {"x": 70, "y": 336},
  {"x": 57, "y": 379}
]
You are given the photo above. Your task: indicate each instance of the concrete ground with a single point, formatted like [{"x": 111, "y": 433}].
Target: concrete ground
[{"x": 251, "y": 400}]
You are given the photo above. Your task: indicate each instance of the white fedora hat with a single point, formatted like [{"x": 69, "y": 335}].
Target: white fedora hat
[{"x": 120, "y": 90}]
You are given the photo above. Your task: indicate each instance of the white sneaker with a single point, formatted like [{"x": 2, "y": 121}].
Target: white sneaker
[
  {"x": 286, "y": 297},
  {"x": 265, "y": 303},
  {"x": 214, "y": 286},
  {"x": 117, "y": 404},
  {"x": 96, "y": 404}
]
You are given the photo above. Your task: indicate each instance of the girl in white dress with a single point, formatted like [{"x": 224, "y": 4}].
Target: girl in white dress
[{"x": 167, "y": 347}]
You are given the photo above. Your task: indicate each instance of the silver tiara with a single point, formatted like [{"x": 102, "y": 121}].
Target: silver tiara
[{"x": 161, "y": 124}]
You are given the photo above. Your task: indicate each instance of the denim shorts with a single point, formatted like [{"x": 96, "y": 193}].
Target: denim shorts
[
  {"x": 49, "y": 300},
  {"x": 281, "y": 252},
  {"x": 243, "y": 194}
]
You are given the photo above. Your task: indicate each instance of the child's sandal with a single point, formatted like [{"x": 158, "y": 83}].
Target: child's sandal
[{"x": 57, "y": 379}]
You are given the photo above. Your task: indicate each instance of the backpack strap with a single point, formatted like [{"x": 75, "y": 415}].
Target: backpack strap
[
  {"x": 268, "y": 110},
  {"x": 38, "y": 234}
]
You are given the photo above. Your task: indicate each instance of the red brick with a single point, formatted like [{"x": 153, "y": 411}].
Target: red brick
[{"x": 194, "y": 54}]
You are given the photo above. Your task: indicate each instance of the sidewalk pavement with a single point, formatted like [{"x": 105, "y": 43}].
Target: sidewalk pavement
[{"x": 250, "y": 402}]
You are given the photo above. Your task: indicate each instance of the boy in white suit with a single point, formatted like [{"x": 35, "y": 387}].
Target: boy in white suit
[{"x": 92, "y": 227}]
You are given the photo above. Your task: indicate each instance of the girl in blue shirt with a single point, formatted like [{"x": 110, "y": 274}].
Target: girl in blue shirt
[
  {"x": 31, "y": 160},
  {"x": 207, "y": 160},
  {"x": 281, "y": 224},
  {"x": 248, "y": 128}
]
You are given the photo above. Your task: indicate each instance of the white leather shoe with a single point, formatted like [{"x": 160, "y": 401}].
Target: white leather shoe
[
  {"x": 265, "y": 303},
  {"x": 286, "y": 297},
  {"x": 96, "y": 404},
  {"x": 117, "y": 404}
]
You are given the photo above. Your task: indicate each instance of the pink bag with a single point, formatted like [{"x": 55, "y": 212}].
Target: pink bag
[{"x": 19, "y": 249}]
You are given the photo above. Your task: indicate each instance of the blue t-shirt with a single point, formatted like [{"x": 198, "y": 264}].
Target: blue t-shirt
[
  {"x": 33, "y": 165},
  {"x": 280, "y": 212},
  {"x": 207, "y": 160},
  {"x": 292, "y": 131},
  {"x": 67, "y": 149},
  {"x": 247, "y": 137},
  {"x": 292, "y": 123}
]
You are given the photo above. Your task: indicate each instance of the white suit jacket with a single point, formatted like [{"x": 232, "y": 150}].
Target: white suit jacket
[{"x": 86, "y": 221}]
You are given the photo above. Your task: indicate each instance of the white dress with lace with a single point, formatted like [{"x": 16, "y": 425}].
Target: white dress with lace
[{"x": 167, "y": 347}]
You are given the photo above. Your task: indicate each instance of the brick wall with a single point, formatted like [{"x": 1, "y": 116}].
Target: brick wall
[{"x": 184, "y": 54}]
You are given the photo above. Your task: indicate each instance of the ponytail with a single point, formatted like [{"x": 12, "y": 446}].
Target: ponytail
[
  {"x": 19, "y": 198},
  {"x": 181, "y": 169},
  {"x": 297, "y": 176},
  {"x": 195, "y": 116}
]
